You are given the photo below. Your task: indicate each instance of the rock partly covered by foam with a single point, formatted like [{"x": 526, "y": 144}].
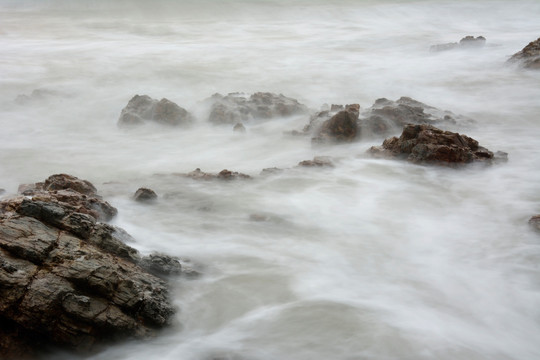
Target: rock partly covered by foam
[
  {"x": 67, "y": 279},
  {"x": 142, "y": 108},
  {"x": 224, "y": 174},
  {"x": 535, "y": 222},
  {"x": 237, "y": 108},
  {"x": 529, "y": 57},
  {"x": 426, "y": 144},
  {"x": 145, "y": 195},
  {"x": 467, "y": 42},
  {"x": 342, "y": 127}
]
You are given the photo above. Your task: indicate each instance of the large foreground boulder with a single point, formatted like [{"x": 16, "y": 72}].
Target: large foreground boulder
[
  {"x": 426, "y": 144},
  {"x": 237, "y": 108},
  {"x": 142, "y": 108},
  {"x": 68, "y": 280},
  {"x": 529, "y": 57}
]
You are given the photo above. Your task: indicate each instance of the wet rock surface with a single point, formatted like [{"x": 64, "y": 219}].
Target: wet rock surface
[
  {"x": 529, "y": 57},
  {"x": 237, "y": 108},
  {"x": 145, "y": 195},
  {"x": 142, "y": 108},
  {"x": 466, "y": 42},
  {"x": 426, "y": 144},
  {"x": 70, "y": 281}
]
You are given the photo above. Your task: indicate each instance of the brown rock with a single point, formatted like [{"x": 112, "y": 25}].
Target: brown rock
[
  {"x": 535, "y": 222},
  {"x": 429, "y": 145},
  {"x": 318, "y": 161},
  {"x": 342, "y": 127},
  {"x": 142, "y": 108},
  {"x": 529, "y": 57},
  {"x": 145, "y": 195}
]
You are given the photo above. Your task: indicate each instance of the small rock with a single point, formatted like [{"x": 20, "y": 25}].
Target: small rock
[
  {"x": 239, "y": 127},
  {"x": 318, "y": 161},
  {"x": 145, "y": 195},
  {"x": 271, "y": 171},
  {"x": 142, "y": 108},
  {"x": 224, "y": 174},
  {"x": 535, "y": 222},
  {"x": 342, "y": 127},
  {"x": 466, "y": 42}
]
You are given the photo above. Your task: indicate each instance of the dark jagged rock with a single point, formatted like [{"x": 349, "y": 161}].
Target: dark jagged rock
[
  {"x": 68, "y": 280},
  {"x": 466, "y": 42},
  {"x": 237, "y": 108},
  {"x": 145, "y": 195},
  {"x": 342, "y": 127},
  {"x": 425, "y": 144},
  {"x": 529, "y": 57},
  {"x": 318, "y": 161},
  {"x": 387, "y": 117},
  {"x": 534, "y": 222},
  {"x": 224, "y": 174},
  {"x": 142, "y": 108}
]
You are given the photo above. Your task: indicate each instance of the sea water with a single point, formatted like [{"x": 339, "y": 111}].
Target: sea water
[{"x": 371, "y": 259}]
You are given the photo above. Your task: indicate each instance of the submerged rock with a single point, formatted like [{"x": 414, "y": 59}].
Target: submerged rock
[
  {"x": 224, "y": 174},
  {"x": 318, "y": 161},
  {"x": 142, "y": 108},
  {"x": 425, "y": 144},
  {"x": 237, "y": 108},
  {"x": 529, "y": 57},
  {"x": 145, "y": 195},
  {"x": 239, "y": 127},
  {"x": 534, "y": 222},
  {"x": 68, "y": 280},
  {"x": 466, "y": 42}
]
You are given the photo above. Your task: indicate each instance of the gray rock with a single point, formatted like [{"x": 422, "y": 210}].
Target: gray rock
[
  {"x": 145, "y": 195},
  {"x": 534, "y": 222},
  {"x": 465, "y": 43},
  {"x": 142, "y": 108}
]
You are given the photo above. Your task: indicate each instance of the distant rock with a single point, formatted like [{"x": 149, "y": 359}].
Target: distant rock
[
  {"x": 465, "y": 43},
  {"x": 271, "y": 171},
  {"x": 38, "y": 95},
  {"x": 342, "y": 127},
  {"x": 535, "y": 222},
  {"x": 239, "y": 128},
  {"x": 529, "y": 57},
  {"x": 142, "y": 108},
  {"x": 224, "y": 174},
  {"x": 68, "y": 280},
  {"x": 425, "y": 144},
  {"x": 386, "y": 117},
  {"x": 318, "y": 161},
  {"x": 145, "y": 195},
  {"x": 237, "y": 107}
]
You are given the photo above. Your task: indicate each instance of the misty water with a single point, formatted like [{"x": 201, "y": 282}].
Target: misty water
[{"x": 371, "y": 259}]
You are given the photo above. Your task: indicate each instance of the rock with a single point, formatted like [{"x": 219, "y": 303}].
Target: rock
[
  {"x": 342, "y": 127},
  {"x": 142, "y": 108},
  {"x": 69, "y": 281},
  {"x": 38, "y": 95},
  {"x": 318, "y": 161},
  {"x": 271, "y": 171},
  {"x": 534, "y": 222},
  {"x": 239, "y": 127},
  {"x": 224, "y": 174},
  {"x": 529, "y": 57},
  {"x": 145, "y": 195},
  {"x": 425, "y": 144},
  {"x": 386, "y": 117},
  {"x": 65, "y": 182},
  {"x": 466, "y": 42},
  {"x": 236, "y": 107}
]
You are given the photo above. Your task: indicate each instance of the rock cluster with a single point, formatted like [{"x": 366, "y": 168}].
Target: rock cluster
[
  {"x": 224, "y": 174},
  {"x": 466, "y": 42},
  {"x": 69, "y": 280},
  {"x": 237, "y": 108},
  {"x": 529, "y": 57},
  {"x": 142, "y": 108},
  {"x": 426, "y": 144}
]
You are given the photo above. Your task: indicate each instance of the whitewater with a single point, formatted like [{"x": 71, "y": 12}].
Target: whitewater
[{"x": 371, "y": 259}]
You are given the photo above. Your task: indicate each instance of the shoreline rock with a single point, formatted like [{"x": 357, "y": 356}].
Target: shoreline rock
[
  {"x": 70, "y": 281},
  {"x": 529, "y": 56}
]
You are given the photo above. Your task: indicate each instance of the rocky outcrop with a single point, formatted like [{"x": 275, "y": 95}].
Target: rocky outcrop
[
  {"x": 238, "y": 108},
  {"x": 425, "y": 144},
  {"x": 142, "y": 108},
  {"x": 465, "y": 43},
  {"x": 534, "y": 222},
  {"x": 529, "y": 57},
  {"x": 318, "y": 161},
  {"x": 145, "y": 195},
  {"x": 342, "y": 127},
  {"x": 69, "y": 280},
  {"x": 224, "y": 174}
]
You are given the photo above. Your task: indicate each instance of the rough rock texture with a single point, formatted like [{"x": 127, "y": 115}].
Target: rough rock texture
[
  {"x": 145, "y": 195},
  {"x": 428, "y": 145},
  {"x": 388, "y": 117},
  {"x": 467, "y": 42},
  {"x": 237, "y": 108},
  {"x": 68, "y": 280},
  {"x": 529, "y": 57},
  {"x": 535, "y": 222},
  {"x": 224, "y": 174},
  {"x": 318, "y": 161},
  {"x": 342, "y": 127},
  {"x": 142, "y": 108}
]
